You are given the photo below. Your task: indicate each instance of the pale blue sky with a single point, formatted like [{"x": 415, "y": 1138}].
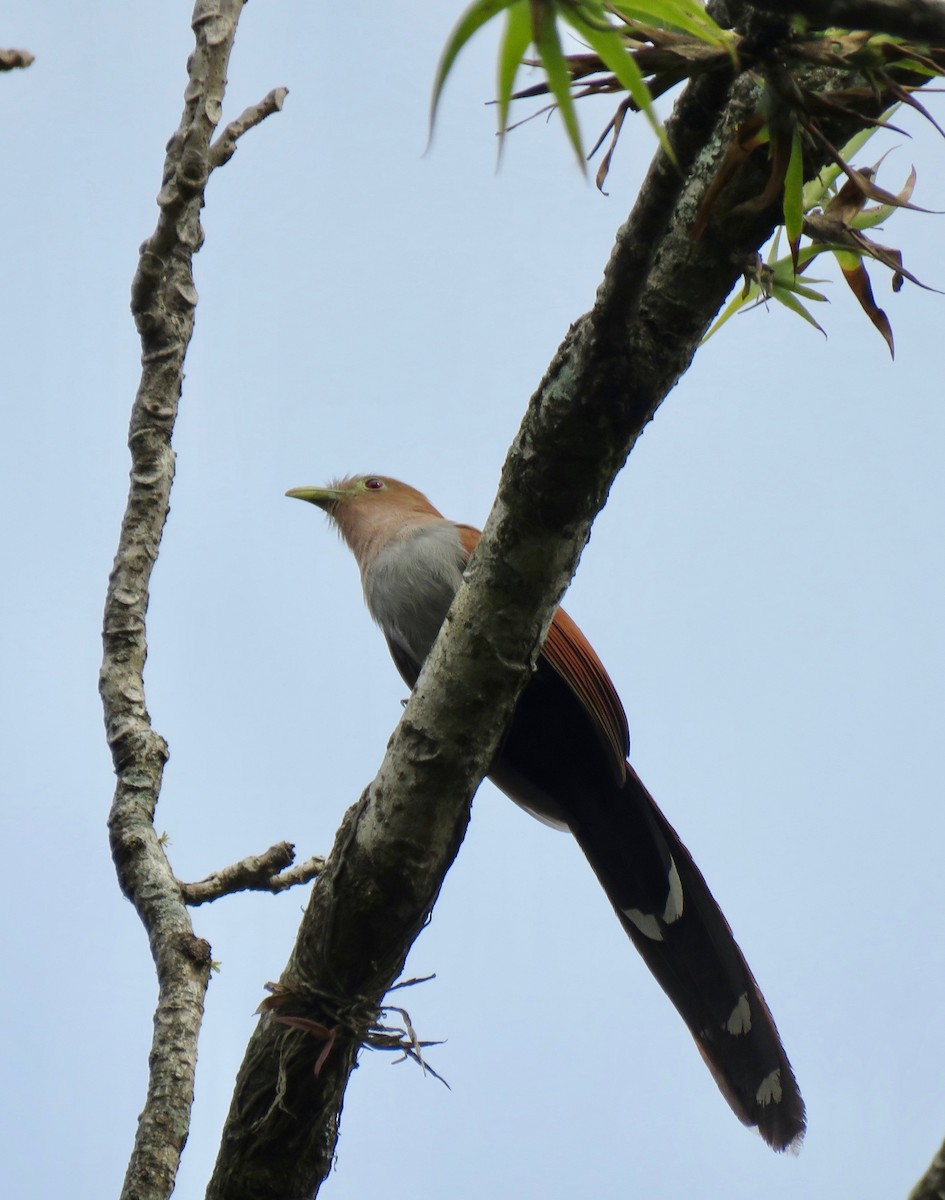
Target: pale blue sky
[{"x": 766, "y": 587}]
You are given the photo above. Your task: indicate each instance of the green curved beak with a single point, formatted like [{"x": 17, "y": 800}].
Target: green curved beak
[{"x": 323, "y": 497}]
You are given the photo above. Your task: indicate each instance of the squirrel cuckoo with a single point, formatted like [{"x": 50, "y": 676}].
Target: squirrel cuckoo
[{"x": 564, "y": 759}]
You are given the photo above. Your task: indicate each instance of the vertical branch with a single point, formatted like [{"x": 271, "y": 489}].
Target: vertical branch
[{"x": 163, "y": 300}]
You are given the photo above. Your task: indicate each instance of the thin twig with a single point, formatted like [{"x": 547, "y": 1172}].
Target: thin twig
[
  {"x": 223, "y": 147},
  {"x": 264, "y": 872}
]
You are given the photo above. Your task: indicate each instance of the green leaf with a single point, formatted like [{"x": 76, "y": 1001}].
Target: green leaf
[
  {"x": 746, "y": 297},
  {"x": 783, "y": 278},
  {"x": 688, "y": 16},
  {"x": 848, "y": 260},
  {"x": 611, "y": 49},
  {"x": 472, "y": 20},
  {"x": 789, "y": 300},
  {"x": 817, "y": 188},
  {"x": 548, "y": 45},
  {"x": 854, "y": 272},
  {"x": 774, "y": 281},
  {"x": 869, "y": 218},
  {"x": 914, "y": 67},
  {"x": 808, "y": 254},
  {"x": 515, "y": 41},
  {"x": 794, "y": 193}
]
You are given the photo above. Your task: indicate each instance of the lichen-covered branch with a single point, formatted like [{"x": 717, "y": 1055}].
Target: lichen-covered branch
[
  {"x": 163, "y": 299},
  {"x": 270, "y": 871}
]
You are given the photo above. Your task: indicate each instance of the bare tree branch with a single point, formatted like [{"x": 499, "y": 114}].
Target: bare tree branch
[
  {"x": 223, "y": 147},
  {"x": 163, "y": 299},
  {"x": 302, "y": 872},
  {"x": 264, "y": 872}
]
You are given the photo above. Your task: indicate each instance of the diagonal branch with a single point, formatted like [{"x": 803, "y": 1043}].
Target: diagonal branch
[
  {"x": 615, "y": 366},
  {"x": 661, "y": 288},
  {"x": 163, "y": 299}
]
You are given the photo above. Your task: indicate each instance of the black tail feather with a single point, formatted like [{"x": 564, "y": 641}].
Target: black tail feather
[{"x": 671, "y": 917}]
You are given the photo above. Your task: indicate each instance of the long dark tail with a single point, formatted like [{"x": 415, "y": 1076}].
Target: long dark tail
[{"x": 665, "y": 906}]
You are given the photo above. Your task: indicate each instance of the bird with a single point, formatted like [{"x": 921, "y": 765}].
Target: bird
[{"x": 564, "y": 758}]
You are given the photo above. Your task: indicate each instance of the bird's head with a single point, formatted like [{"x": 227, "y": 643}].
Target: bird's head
[
  {"x": 358, "y": 491},
  {"x": 369, "y": 510}
]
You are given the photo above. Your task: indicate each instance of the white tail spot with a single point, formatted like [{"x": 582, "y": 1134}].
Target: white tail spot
[
  {"x": 739, "y": 1020},
  {"x": 647, "y": 924},
  {"x": 674, "y": 901},
  {"x": 770, "y": 1090}
]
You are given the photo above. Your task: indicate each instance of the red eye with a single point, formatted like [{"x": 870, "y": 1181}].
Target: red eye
[{"x": 374, "y": 485}]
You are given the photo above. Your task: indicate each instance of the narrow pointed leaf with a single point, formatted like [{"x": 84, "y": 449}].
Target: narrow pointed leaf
[
  {"x": 852, "y": 245},
  {"x": 783, "y": 275},
  {"x": 515, "y": 42},
  {"x": 915, "y": 67},
  {"x": 907, "y": 97},
  {"x": 472, "y": 20},
  {"x": 901, "y": 201},
  {"x": 614, "y": 128},
  {"x": 548, "y": 44},
  {"x": 685, "y": 15},
  {"x": 859, "y": 283},
  {"x": 816, "y": 189},
  {"x": 794, "y": 195},
  {"x": 740, "y": 300},
  {"x": 871, "y": 217},
  {"x": 612, "y": 52},
  {"x": 810, "y": 293},
  {"x": 789, "y": 300},
  {"x": 891, "y": 258},
  {"x": 801, "y": 289}
]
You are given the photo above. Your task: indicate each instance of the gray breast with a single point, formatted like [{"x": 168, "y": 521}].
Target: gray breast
[{"x": 411, "y": 583}]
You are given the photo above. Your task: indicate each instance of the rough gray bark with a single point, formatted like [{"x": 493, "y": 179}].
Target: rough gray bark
[
  {"x": 163, "y": 301},
  {"x": 272, "y": 871}
]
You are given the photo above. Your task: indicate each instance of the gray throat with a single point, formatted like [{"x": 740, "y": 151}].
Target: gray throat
[{"x": 411, "y": 583}]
